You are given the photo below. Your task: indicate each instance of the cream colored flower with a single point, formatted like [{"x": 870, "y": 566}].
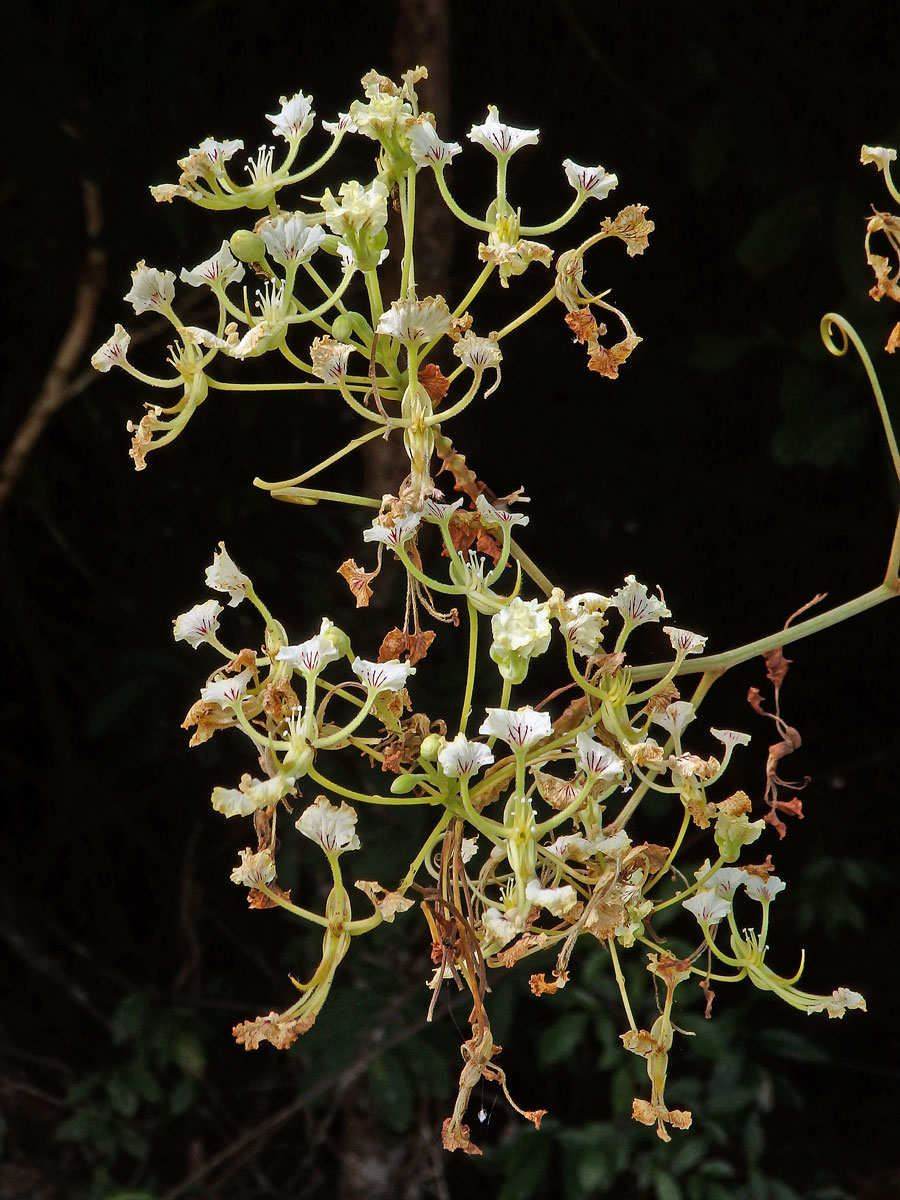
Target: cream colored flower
[
  {"x": 199, "y": 624},
  {"x": 333, "y": 828}
]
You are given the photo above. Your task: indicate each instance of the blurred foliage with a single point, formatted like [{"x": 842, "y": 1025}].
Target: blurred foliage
[{"x": 734, "y": 462}]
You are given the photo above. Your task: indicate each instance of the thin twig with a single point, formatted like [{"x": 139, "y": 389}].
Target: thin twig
[{"x": 57, "y": 386}]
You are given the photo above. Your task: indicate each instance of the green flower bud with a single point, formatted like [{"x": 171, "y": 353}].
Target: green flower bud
[
  {"x": 404, "y": 784},
  {"x": 431, "y": 747},
  {"x": 247, "y": 246}
]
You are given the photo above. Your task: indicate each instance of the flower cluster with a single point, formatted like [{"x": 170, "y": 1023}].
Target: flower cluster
[{"x": 540, "y": 801}]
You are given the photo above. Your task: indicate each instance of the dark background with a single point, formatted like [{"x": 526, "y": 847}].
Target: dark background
[{"x": 734, "y": 462}]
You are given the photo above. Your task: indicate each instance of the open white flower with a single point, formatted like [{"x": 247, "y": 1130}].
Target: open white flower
[
  {"x": 685, "y": 642},
  {"x": 463, "y": 758},
  {"x": 557, "y": 900},
  {"x": 198, "y": 624},
  {"x": 252, "y": 795},
  {"x": 730, "y": 737},
  {"x": 333, "y": 828},
  {"x": 151, "y": 290},
  {"x": 413, "y": 321},
  {"x": 596, "y": 759},
  {"x": 590, "y": 181},
  {"x": 635, "y": 605},
  {"x": 763, "y": 890},
  {"x": 113, "y": 352},
  {"x": 707, "y": 906},
  {"x": 311, "y": 656},
  {"x": 879, "y": 156},
  {"x": 676, "y": 717},
  {"x": 726, "y": 881},
  {"x": 289, "y": 239},
  {"x": 491, "y": 515},
  {"x": 478, "y": 354},
  {"x": 388, "y": 676},
  {"x": 393, "y": 535},
  {"x": 254, "y": 869},
  {"x": 343, "y": 124},
  {"x": 501, "y": 927},
  {"x": 433, "y": 510},
  {"x": 360, "y": 210},
  {"x": 426, "y": 148},
  {"x": 209, "y": 158},
  {"x": 227, "y": 691},
  {"x": 222, "y": 268},
  {"x": 223, "y": 575},
  {"x": 501, "y": 140},
  {"x": 329, "y": 359},
  {"x": 581, "y": 619},
  {"x": 519, "y": 728},
  {"x": 295, "y": 119}
]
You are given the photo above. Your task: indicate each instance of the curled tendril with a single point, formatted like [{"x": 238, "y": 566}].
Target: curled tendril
[{"x": 848, "y": 334}]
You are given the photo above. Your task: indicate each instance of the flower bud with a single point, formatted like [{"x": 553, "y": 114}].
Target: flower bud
[
  {"x": 247, "y": 246},
  {"x": 431, "y": 747}
]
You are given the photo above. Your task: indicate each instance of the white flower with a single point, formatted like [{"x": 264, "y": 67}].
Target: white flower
[
  {"x": 113, "y": 352},
  {"x": 151, "y": 290},
  {"x": 381, "y": 114},
  {"x": 677, "y": 716},
  {"x": 491, "y": 515},
  {"x": 396, "y": 534},
  {"x": 501, "y": 140},
  {"x": 344, "y": 124},
  {"x": 521, "y": 627},
  {"x": 685, "y": 642},
  {"x": 590, "y": 181},
  {"x": 223, "y": 267},
  {"x": 519, "y": 728},
  {"x": 501, "y": 928},
  {"x": 581, "y": 620},
  {"x": 635, "y": 605},
  {"x": 840, "y": 1000},
  {"x": 764, "y": 890},
  {"x": 597, "y": 759},
  {"x": 412, "y": 321},
  {"x": 329, "y": 359},
  {"x": 730, "y": 737},
  {"x": 208, "y": 158},
  {"x": 333, "y": 828},
  {"x": 708, "y": 907},
  {"x": 726, "y": 881},
  {"x": 435, "y": 511},
  {"x": 463, "y": 758},
  {"x": 880, "y": 156},
  {"x": 254, "y": 869},
  {"x": 310, "y": 657},
  {"x": 426, "y": 148},
  {"x": 295, "y": 119},
  {"x": 556, "y": 900},
  {"x": 616, "y": 845},
  {"x": 227, "y": 691},
  {"x": 479, "y": 353},
  {"x": 252, "y": 795},
  {"x": 362, "y": 210},
  {"x": 388, "y": 676},
  {"x": 223, "y": 575},
  {"x": 289, "y": 239},
  {"x": 199, "y": 624}
]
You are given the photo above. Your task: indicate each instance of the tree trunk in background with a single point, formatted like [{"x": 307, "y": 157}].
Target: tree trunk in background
[
  {"x": 375, "y": 1163},
  {"x": 421, "y": 38}
]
